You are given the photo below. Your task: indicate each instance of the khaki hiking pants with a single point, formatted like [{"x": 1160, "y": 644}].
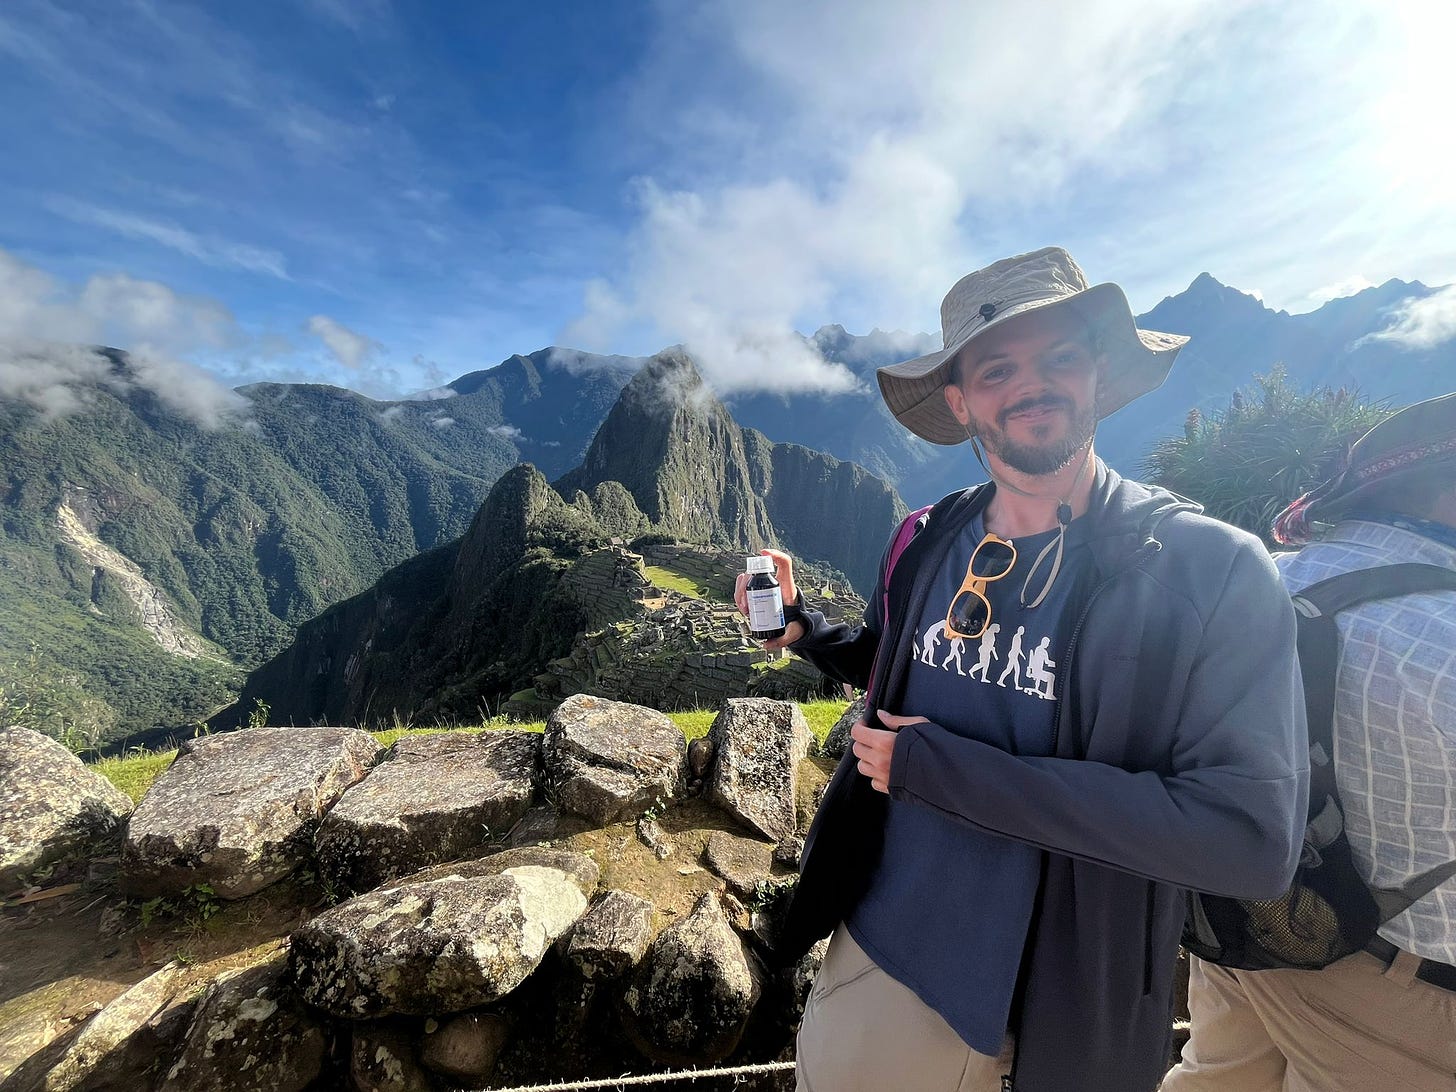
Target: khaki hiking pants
[
  {"x": 1356, "y": 1026},
  {"x": 864, "y": 1032}
]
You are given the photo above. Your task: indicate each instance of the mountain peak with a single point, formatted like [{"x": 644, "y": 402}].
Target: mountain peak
[
  {"x": 676, "y": 450},
  {"x": 668, "y": 382},
  {"x": 1205, "y": 296}
]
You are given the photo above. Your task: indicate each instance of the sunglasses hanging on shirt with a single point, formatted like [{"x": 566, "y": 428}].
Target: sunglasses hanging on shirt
[{"x": 970, "y": 610}]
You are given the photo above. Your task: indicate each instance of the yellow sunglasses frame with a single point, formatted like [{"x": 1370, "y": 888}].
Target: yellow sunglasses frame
[{"x": 976, "y": 585}]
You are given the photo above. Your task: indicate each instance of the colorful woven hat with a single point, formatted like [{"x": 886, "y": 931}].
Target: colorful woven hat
[{"x": 1420, "y": 439}]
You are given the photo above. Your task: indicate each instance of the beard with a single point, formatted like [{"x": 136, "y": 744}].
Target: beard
[{"x": 1052, "y": 454}]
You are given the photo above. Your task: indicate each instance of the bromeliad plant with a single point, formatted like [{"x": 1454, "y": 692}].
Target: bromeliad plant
[{"x": 1272, "y": 443}]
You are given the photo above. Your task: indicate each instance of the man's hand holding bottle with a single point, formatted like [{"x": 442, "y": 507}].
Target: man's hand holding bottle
[{"x": 784, "y": 573}]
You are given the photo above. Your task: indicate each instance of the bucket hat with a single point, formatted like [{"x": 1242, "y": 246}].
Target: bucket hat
[
  {"x": 1420, "y": 439},
  {"x": 1137, "y": 360}
]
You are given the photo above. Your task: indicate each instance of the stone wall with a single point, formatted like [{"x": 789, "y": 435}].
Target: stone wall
[
  {"x": 477, "y": 910},
  {"x": 661, "y": 648}
]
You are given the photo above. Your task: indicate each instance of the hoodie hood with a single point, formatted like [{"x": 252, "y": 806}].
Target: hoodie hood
[{"x": 1126, "y": 516}]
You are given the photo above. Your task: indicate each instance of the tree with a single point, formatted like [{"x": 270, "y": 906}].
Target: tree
[{"x": 1273, "y": 443}]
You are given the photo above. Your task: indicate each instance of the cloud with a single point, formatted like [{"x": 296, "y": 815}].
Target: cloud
[
  {"x": 442, "y": 422},
  {"x": 576, "y": 362},
  {"x": 434, "y": 394},
  {"x": 827, "y": 195},
  {"x": 209, "y": 250},
  {"x": 54, "y": 379},
  {"x": 391, "y": 415},
  {"x": 506, "y": 432},
  {"x": 43, "y": 319},
  {"x": 1422, "y": 323},
  {"x": 350, "y": 349},
  {"x": 1335, "y": 290},
  {"x": 354, "y": 14},
  {"x": 877, "y": 347}
]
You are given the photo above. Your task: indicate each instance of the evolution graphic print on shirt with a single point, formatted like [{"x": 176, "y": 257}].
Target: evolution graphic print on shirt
[
  {"x": 1038, "y": 679},
  {"x": 1019, "y": 650},
  {"x": 969, "y": 892}
]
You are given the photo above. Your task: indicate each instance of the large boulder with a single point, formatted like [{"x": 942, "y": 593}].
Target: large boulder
[
  {"x": 610, "y": 761},
  {"x": 693, "y": 992},
  {"x": 430, "y": 799},
  {"x": 238, "y": 811},
  {"x": 743, "y": 863},
  {"x": 465, "y": 1048},
  {"x": 51, "y": 806},
  {"x": 838, "y": 740},
  {"x": 612, "y": 938},
  {"x": 461, "y": 937},
  {"x": 382, "y": 1059},
  {"x": 29, "y": 1043},
  {"x": 249, "y": 1034},
  {"x": 758, "y": 744},
  {"x": 120, "y": 1045}
]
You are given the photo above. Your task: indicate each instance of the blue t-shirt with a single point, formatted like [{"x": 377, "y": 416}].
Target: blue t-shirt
[{"x": 947, "y": 910}]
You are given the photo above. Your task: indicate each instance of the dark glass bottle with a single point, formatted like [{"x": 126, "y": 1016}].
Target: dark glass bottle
[{"x": 765, "y": 600}]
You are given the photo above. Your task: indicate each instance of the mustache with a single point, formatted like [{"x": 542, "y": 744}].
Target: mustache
[{"x": 1047, "y": 401}]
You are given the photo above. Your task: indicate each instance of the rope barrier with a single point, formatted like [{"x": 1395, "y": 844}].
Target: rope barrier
[{"x": 655, "y": 1078}]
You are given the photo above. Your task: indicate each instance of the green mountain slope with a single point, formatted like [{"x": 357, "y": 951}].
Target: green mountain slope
[{"x": 236, "y": 533}]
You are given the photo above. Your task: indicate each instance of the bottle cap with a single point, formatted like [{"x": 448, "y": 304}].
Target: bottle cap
[{"x": 760, "y": 564}]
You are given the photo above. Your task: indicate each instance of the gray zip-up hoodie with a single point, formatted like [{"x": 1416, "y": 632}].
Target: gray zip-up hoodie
[{"x": 1180, "y": 762}]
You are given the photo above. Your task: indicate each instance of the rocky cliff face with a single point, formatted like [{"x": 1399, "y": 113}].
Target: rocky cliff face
[
  {"x": 823, "y": 508},
  {"x": 680, "y": 455},
  {"x": 696, "y": 474}
]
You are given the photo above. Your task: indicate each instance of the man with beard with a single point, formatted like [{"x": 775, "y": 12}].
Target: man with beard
[{"x": 1003, "y": 868}]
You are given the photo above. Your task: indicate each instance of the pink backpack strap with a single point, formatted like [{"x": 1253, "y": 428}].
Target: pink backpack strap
[{"x": 907, "y": 530}]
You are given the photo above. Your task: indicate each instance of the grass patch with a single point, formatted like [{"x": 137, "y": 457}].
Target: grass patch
[
  {"x": 694, "y": 723},
  {"x": 823, "y": 714},
  {"x": 134, "y": 773},
  {"x": 666, "y": 578}
]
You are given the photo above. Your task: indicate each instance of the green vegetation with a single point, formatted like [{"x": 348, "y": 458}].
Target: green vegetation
[
  {"x": 694, "y": 723},
  {"x": 1244, "y": 464},
  {"x": 671, "y": 581},
  {"x": 198, "y": 902},
  {"x": 134, "y": 773},
  {"x": 85, "y": 680},
  {"x": 247, "y": 528},
  {"x": 823, "y": 714}
]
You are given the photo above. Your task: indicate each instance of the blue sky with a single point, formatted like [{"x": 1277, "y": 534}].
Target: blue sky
[{"x": 385, "y": 195}]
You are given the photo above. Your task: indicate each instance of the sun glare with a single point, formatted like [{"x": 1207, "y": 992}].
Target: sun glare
[{"x": 1417, "y": 133}]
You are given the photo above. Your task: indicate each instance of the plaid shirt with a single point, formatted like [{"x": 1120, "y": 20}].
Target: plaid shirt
[{"x": 1395, "y": 723}]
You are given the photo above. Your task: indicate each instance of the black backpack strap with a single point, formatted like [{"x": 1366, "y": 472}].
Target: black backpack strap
[
  {"x": 1319, "y": 640},
  {"x": 1392, "y": 901},
  {"x": 1319, "y": 649},
  {"x": 1382, "y": 582}
]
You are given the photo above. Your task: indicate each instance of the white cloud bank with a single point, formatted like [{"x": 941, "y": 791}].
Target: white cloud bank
[
  {"x": 850, "y": 180},
  {"x": 1422, "y": 323},
  {"x": 47, "y": 328}
]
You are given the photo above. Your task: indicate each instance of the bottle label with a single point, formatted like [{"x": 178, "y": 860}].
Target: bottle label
[{"x": 765, "y": 610}]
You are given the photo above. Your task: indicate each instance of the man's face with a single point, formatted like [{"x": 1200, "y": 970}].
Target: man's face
[{"x": 1028, "y": 389}]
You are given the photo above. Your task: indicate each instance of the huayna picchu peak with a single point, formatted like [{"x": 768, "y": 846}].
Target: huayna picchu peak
[{"x": 543, "y": 596}]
